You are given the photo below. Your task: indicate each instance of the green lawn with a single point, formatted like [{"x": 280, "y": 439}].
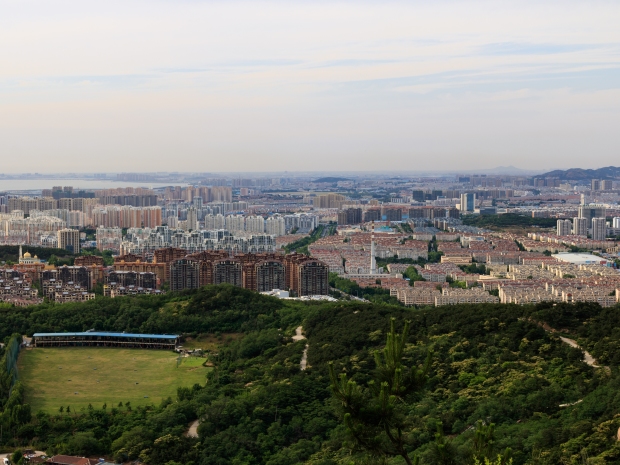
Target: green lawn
[{"x": 75, "y": 377}]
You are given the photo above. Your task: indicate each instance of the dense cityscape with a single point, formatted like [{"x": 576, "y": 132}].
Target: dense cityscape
[{"x": 439, "y": 240}]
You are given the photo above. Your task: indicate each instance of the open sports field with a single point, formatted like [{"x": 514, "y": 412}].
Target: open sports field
[{"x": 75, "y": 377}]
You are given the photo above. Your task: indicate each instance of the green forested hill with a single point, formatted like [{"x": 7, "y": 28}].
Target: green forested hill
[{"x": 490, "y": 363}]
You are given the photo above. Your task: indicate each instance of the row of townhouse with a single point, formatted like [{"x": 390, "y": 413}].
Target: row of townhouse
[
  {"x": 356, "y": 261},
  {"x": 437, "y": 272},
  {"x": 17, "y": 287},
  {"x": 424, "y": 296},
  {"x": 519, "y": 292},
  {"x": 415, "y": 296},
  {"x": 117, "y": 290},
  {"x": 576, "y": 241},
  {"x": 332, "y": 258},
  {"x": 68, "y": 291},
  {"x": 450, "y": 246},
  {"x": 536, "y": 246},
  {"x": 476, "y": 295}
]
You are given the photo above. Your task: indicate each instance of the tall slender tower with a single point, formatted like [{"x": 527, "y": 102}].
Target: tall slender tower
[
  {"x": 20, "y": 252},
  {"x": 373, "y": 262}
]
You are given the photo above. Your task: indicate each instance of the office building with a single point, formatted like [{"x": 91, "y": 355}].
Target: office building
[
  {"x": 616, "y": 223},
  {"x": 592, "y": 211},
  {"x": 564, "y": 227},
  {"x": 468, "y": 203},
  {"x": 599, "y": 229},
  {"x": 69, "y": 239}
]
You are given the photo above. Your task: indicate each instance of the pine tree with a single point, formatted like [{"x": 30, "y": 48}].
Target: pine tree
[{"x": 375, "y": 416}]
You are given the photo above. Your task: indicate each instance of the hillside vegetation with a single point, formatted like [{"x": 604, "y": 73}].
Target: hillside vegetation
[
  {"x": 489, "y": 364},
  {"x": 508, "y": 220}
]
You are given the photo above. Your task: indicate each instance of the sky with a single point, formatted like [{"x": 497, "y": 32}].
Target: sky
[{"x": 211, "y": 86}]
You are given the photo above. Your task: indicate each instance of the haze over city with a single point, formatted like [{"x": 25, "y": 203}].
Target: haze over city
[{"x": 269, "y": 85}]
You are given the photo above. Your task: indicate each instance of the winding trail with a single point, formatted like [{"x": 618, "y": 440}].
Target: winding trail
[
  {"x": 586, "y": 355},
  {"x": 587, "y": 358},
  {"x": 300, "y": 337},
  {"x": 192, "y": 432}
]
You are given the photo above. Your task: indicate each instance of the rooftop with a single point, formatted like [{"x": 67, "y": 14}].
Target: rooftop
[{"x": 108, "y": 334}]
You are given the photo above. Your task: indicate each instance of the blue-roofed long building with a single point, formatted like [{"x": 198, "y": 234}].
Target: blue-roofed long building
[{"x": 106, "y": 339}]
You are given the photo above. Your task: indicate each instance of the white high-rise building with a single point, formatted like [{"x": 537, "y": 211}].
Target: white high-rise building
[
  {"x": 255, "y": 224},
  {"x": 564, "y": 227},
  {"x": 235, "y": 223},
  {"x": 580, "y": 226},
  {"x": 616, "y": 223},
  {"x": 599, "y": 229},
  {"x": 192, "y": 219},
  {"x": 215, "y": 222},
  {"x": 275, "y": 226}
]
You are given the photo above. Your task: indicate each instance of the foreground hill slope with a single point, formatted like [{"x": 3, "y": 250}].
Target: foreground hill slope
[{"x": 490, "y": 363}]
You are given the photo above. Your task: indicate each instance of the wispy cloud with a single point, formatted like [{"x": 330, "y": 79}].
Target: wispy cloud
[{"x": 305, "y": 83}]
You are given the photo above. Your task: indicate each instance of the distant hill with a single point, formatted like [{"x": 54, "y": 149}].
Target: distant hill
[
  {"x": 579, "y": 174},
  {"x": 330, "y": 179}
]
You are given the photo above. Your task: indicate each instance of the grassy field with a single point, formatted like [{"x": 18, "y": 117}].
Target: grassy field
[{"x": 76, "y": 377}]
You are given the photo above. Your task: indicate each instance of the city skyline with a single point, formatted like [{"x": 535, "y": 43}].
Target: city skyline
[{"x": 222, "y": 87}]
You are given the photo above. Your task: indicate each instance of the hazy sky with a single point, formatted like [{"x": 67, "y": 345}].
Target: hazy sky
[{"x": 299, "y": 85}]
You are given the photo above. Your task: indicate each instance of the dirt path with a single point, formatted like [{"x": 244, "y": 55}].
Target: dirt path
[
  {"x": 586, "y": 355},
  {"x": 300, "y": 337},
  {"x": 298, "y": 334},
  {"x": 192, "y": 432}
]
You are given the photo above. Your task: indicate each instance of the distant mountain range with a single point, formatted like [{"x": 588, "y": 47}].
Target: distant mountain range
[
  {"x": 579, "y": 174},
  {"x": 331, "y": 179}
]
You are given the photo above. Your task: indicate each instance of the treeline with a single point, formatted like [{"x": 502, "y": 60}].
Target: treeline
[
  {"x": 11, "y": 252},
  {"x": 210, "y": 309},
  {"x": 507, "y": 220},
  {"x": 14, "y": 412},
  {"x": 302, "y": 244},
  {"x": 373, "y": 294}
]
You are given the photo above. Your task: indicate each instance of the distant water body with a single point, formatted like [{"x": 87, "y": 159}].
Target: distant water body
[{"x": 33, "y": 185}]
